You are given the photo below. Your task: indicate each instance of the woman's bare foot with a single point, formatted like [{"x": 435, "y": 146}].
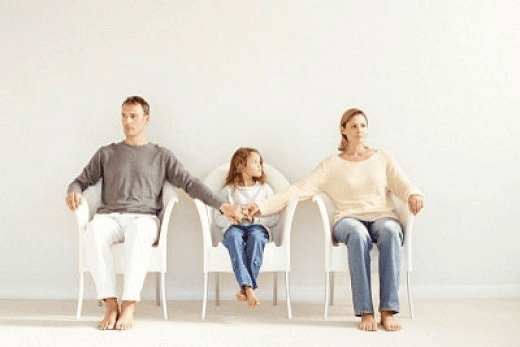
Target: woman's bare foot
[
  {"x": 368, "y": 323},
  {"x": 111, "y": 314},
  {"x": 241, "y": 295},
  {"x": 252, "y": 300},
  {"x": 388, "y": 322},
  {"x": 126, "y": 317}
]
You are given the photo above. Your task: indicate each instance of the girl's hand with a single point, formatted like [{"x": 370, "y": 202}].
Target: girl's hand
[
  {"x": 415, "y": 203},
  {"x": 252, "y": 211}
]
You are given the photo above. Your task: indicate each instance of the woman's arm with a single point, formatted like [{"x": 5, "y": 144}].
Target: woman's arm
[
  {"x": 273, "y": 219},
  {"x": 401, "y": 186},
  {"x": 304, "y": 189}
]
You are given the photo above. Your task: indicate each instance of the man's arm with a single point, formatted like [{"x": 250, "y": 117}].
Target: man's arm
[
  {"x": 181, "y": 178},
  {"x": 88, "y": 177}
]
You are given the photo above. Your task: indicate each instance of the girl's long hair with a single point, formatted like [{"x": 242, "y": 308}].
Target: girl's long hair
[
  {"x": 237, "y": 165},
  {"x": 347, "y": 115}
]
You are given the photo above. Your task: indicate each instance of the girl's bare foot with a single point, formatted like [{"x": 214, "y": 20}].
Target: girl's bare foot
[
  {"x": 252, "y": 300},
  {"x": 368, "y": 323},
  {"x": 111, "y": 314},
  {"x": 126, "y": 317},
  {"x": 388, "y": 322},
  {"x": 241, "y": 295}
]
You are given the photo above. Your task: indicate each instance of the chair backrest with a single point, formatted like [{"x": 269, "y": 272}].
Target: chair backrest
[{"x": 217, "y": 178}]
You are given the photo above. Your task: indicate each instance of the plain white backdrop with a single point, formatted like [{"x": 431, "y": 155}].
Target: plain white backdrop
[{"x": 439, "y": 82}]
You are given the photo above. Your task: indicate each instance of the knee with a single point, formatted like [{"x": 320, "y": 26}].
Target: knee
[
  {"x": 390, "y": 231},
  {"x": 143, "y": 229},
  {"x": 232, "y": 235}
]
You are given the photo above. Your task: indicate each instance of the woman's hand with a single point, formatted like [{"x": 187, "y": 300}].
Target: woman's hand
[{"x": 415, "y": 203}]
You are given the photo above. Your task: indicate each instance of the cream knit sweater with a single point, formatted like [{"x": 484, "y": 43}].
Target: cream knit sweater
[{"x": 359, "y": 189}]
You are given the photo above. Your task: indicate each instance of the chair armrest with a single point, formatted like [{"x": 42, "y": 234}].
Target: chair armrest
[
  {"x": 288, "y": 214},
  {"x": 82, "y": 215},
  {"x": 203, "y": 211},
  {"x": 319, "y": 200},
  {"x": 171, "y": 198},
  {"x": 407, "y": 221}
]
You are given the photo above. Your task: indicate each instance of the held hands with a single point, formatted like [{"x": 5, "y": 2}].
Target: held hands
[
  {"x": 73, "y": 200},
  {"x": 251, "y": 211},
  {"x": 415, "y": 203},
  {"x": 237, "y": 213},
  {"x": 232, "y": 212}
]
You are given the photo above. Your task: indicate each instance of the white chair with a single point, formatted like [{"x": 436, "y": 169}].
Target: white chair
[
  {"x": 277, "y": 255},
  {"x": 85, "y": 213},
  {"x": 336, "y": 254}
]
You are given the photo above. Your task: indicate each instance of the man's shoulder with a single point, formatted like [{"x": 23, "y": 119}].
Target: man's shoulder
[
  {"x": 163, "y": 151},
  {"x": 108, "y": 148}
]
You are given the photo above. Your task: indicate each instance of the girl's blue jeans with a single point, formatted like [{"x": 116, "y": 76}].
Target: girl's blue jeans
[
  {"x": 246, "y": 244},
  {"x": 359, "y": 236}
]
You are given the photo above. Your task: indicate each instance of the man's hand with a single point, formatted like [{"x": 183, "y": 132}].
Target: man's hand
[
  {"x": 415, "y": 203},
  {"x": 251, "y": 211},
  {"x": 73, "y": 200},
  {"x": 232, "y": 212}
]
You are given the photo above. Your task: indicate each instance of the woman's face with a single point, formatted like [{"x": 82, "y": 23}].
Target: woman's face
[{"x": 356, "y": 129}]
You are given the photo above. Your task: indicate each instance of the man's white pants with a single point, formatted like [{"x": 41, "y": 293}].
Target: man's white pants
[{"x": 138, "y": 232}]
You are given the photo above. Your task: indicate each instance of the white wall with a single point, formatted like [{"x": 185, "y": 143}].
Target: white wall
[{"x": 438, "y": 80}]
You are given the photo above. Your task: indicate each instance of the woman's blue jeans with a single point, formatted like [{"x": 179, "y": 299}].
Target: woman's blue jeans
[
  {"x": 359, "y": 236},
  {"x": 246, "y": 244}
]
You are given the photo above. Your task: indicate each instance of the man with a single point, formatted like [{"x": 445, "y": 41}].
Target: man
[{"x": 133, "y": 173}]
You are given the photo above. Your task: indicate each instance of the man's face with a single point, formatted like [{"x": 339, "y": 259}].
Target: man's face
[{"x": 133, "y": 119}]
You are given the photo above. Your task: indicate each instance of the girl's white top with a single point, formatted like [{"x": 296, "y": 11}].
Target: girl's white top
[{"x": 243, "y": 196}]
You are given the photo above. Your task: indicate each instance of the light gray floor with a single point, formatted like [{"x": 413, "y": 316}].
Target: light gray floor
[{"x": 438, "y": 323}]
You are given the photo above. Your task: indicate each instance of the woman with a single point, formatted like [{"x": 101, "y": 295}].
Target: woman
[{"x": 358, "y": 180}]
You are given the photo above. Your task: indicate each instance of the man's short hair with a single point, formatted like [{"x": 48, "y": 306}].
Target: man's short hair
[{"x": 137, "y": 100}]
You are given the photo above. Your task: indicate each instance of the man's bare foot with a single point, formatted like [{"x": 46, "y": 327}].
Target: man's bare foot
[
  {"x": 388, "y": 322},
  {"x": 252, "y": 300},
  {"x": 126, "y": 317},
  {"x": 241, "y": 295},
  {"x": 111, "y": 314},
  {"x": 368, "y": 323}
]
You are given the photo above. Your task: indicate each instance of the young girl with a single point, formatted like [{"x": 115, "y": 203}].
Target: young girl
[{"x": 245, "y": 184}]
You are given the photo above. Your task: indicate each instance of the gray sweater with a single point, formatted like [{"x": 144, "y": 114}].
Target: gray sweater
[{"x": 133, "y": 177}]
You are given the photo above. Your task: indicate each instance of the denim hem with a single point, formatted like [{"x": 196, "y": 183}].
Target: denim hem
[
  {"x": 363, "y": 312},
  {"x": 389, "y": 309}
]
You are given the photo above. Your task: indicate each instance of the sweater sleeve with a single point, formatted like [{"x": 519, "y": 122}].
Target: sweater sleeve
[
  {"x": 177, "y": 175},
  {"x": 397, "y": 181},
  {"x": 273, "y": 219},
  {"x": 220, "y": 220},
  {"x": 90, "y": 175},
  {"x": 304, "y": 189}
]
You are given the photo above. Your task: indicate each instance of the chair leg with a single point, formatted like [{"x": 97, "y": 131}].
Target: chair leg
[
  {"x": 275, "y": 288},
  {"x": 217, "y": 290},
  {"x": 327, "y": 295},
  {"x": 332, "y": 288},
  {"x": 288, "y": 295},
  {"x": 205, "y": 296},
  {"x": 163, "y": 296},
  {"x": 80, "y": 296},
  {"x": 409, "y": 290},
  {"x": 158, "y": 289}
]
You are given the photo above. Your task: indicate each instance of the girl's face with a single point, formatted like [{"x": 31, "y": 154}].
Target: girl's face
[
  {"x": 356, "y": 129},
  {"x": 253, "y": 167}
]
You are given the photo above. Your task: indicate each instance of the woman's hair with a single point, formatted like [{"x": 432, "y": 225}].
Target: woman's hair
[
  {"x": 345, "y": 118},
  {"x": 238, "y": 163}
]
